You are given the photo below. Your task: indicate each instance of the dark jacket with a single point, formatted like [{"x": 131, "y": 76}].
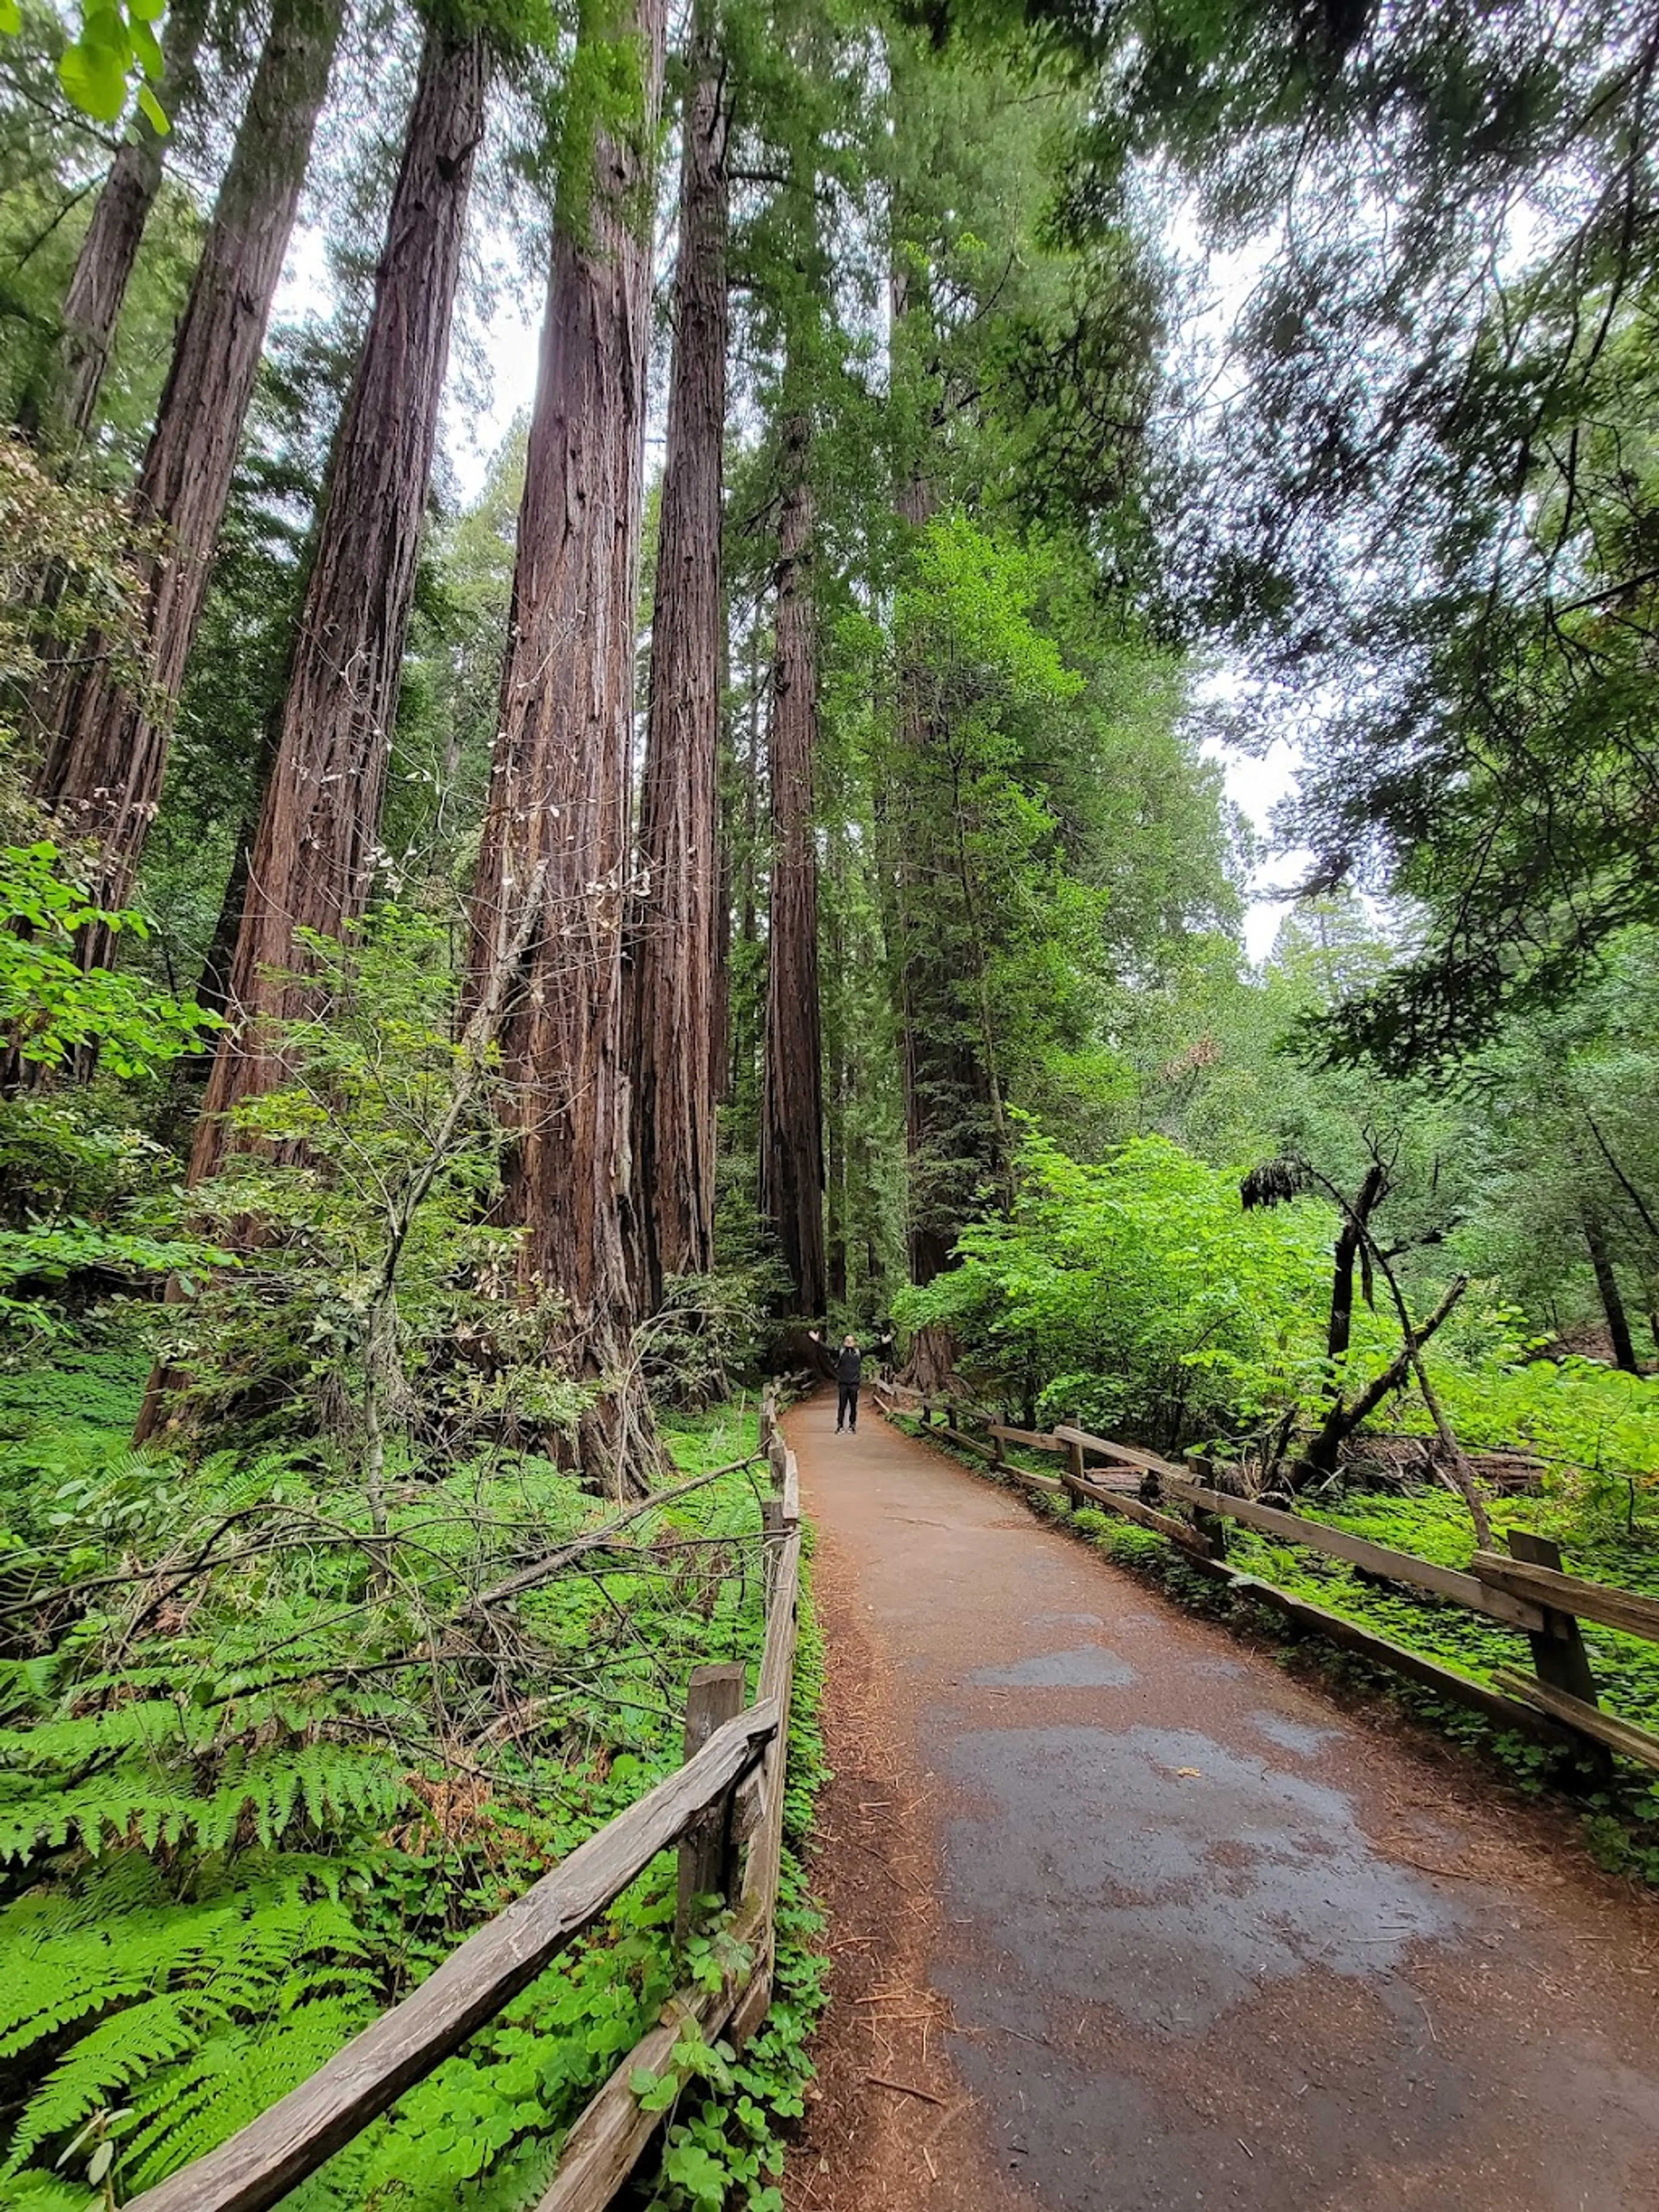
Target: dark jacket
[{"x": 849, "y": 1366}]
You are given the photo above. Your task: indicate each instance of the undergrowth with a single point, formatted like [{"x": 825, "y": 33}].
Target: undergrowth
[{"x": 262, "y": 1768}]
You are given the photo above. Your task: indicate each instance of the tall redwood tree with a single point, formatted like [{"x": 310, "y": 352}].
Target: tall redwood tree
[
  {"x": 107, "y": 749},
  {"x": 558, "y": 812},
  {"x": 674, "y": 1057},
  {"x": 313, "y": 857},
  {"x": 104, "y": 265},
  {"x": 792, "y": 1104}
]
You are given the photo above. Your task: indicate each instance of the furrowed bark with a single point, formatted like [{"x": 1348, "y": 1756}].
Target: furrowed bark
[
  {"x": 559, "y": 788},
  {"x": 104, "y": 266},
  {"x": 102, "y": 769},
  {"x": 315, "y": 854},
  {"x": 791, "y": 1108},
  {"x": 673, "y": 1051}
]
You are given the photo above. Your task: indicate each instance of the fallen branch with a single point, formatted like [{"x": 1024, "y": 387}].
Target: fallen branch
[
  {"x": 540, "y": 1570},
  {"x": 1320, "y": 1458}
]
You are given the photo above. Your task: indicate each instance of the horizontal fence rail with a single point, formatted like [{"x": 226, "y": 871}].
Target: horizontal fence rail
[
  {"x": 724, "y": 1804},
  {"x": 1528, "y": 1592}
]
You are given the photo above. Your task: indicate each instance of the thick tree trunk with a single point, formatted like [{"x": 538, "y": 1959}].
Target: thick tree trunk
[
  {"x": 313, "y": 857},
  {"x": 672, "y": 1049},
  {"x": 104, "y": 762},
  {"x": 792, "y": 1107},
  {"x": 559, "y": 788},
  {"x": 104, "y": 266},
  {"x": 1607, "y": 1289}
]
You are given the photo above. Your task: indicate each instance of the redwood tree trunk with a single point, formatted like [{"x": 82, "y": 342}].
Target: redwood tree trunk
[
  {"x": 559, "y": 788},
  {"x": 104, "y": 762},
  {"x": 103, "y": 267},
  {"x": 313, "y": 857},
  {"x": 792, "y": 1106},
  {"x": 671, "y": 1025}
]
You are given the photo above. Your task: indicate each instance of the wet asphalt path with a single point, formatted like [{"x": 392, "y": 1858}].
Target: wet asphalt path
[{"x": 1125, "y": 1918}]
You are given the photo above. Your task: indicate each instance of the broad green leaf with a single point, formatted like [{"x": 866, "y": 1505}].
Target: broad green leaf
[
  {"x": 146, "y": 50},
  {"x": 95, "y": 80}
]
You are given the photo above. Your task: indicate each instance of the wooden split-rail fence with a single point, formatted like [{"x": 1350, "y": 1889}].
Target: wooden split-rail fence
[
  {"x": 1524, "y": 1590},
  {"x": 723, "y": 1807}
]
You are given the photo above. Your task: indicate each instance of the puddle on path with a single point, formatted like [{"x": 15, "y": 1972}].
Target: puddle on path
[
  {"x": 1293, "y": 1736},
  {"x": 1158, "y": 1872}
]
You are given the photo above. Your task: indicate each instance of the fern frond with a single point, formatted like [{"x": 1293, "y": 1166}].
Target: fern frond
[
  {"x": 120, "y": 2051},
  {"x": 228, "y": 2081}
]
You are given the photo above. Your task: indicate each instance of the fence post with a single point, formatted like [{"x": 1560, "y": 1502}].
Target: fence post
[
  {"x": 1074, "y": 1460},
  {"x": 1211, "y": 1531},
  {"x": 772, "y": 1533},
  {"x": 1558, "y": 1656},
  {"x": 712, "y": 1697}
]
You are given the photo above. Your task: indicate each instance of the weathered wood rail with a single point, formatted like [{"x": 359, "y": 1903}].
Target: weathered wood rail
[
  {"x": 724, "y": 1807},
  {"x": 1528, "y": 1592}
]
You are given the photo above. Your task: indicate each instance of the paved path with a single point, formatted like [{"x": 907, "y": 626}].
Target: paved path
[{"x": 1124, "y": 1917}]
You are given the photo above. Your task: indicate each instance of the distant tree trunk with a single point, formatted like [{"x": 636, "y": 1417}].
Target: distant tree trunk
[
  {"x": 1607, "y": 1287},
  {"x": 108, "y": 748},
  {"x": 314, "y": 856},
  {"x": 559, "y": 788},
  {"x": 742, "y": 1019},
  {"x": 791, "y": 1108},
  {"x": 719, "y": 1018},
  {"x": 61, "y": 416},
  {"x": 671, "y": 1023}
]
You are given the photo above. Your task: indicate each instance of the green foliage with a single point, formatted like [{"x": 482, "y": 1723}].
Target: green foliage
[
  {"x": 116, "y": 54},
  {"x": 246, "y": 1808},
  {"x": 352, "y": 1180},
  {"x": 192, "y": 2007},
  {"x": 70, "y": 1176},
  {"x": 1136, "y": 1296},
  {"x": 75, "y": 540},
  {"x": 50, "y": 1007}
]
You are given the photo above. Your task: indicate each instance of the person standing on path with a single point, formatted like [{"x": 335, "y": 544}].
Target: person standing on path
[{"x": 849, "y": 1373}]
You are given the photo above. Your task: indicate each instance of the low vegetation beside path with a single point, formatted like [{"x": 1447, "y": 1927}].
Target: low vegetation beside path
[{"x": 262, "y": 1768}]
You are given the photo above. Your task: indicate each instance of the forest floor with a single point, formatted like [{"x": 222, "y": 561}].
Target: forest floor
[{"x": 1122, "y": 1918}]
